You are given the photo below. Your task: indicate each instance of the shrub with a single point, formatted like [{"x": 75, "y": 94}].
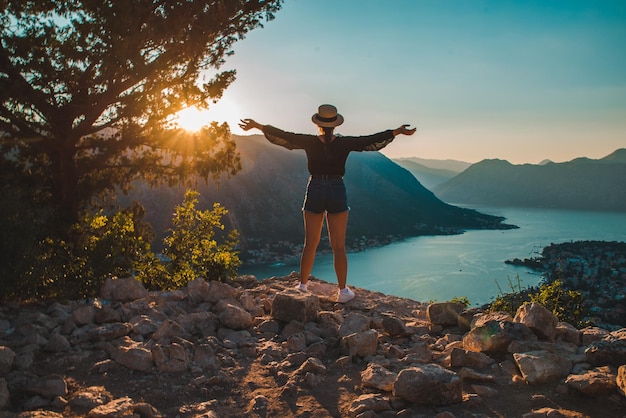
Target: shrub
[{"x": 197, "y": 247}]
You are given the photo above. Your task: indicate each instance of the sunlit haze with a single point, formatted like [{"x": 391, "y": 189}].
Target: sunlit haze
[{"x": 516, "y": 80}]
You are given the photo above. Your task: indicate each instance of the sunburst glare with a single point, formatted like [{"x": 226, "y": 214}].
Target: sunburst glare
[{"x": 193, "y": 119}]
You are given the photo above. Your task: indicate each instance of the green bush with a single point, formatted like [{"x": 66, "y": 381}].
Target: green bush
[
  {"x": 566, "y": 305},
  {"x": 194, "y": 248},
  {"x": 103, "y": 245}
]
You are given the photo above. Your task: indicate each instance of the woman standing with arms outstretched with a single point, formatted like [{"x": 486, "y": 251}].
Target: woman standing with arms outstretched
[{"x": 326, "y": 193}]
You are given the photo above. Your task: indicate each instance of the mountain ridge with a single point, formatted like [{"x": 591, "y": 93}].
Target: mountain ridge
[{"x": 582, "y": 184}]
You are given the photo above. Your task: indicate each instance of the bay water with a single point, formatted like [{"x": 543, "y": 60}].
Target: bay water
[{"x": 472, "y": 264}]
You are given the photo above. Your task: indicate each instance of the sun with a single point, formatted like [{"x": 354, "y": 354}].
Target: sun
[{"x": 193, "y": 119}]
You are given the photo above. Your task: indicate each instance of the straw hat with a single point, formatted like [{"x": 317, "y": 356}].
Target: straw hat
[{"x": 327, "y": 116}]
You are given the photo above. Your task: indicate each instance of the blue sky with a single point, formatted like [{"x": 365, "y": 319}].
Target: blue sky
[{"x": 516, "y": 80}]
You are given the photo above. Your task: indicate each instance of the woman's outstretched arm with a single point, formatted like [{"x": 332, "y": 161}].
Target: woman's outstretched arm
[
  {"x": 247, "y": 124},
  {"x": 404, "y": 130}
]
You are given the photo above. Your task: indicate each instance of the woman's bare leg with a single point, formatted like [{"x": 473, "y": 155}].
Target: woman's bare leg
[
  {"x": 337, "y": 226},
  {"x": 313, "y": 223}
]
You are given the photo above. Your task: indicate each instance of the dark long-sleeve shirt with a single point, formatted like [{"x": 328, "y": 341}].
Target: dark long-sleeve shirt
[{"x": 328, "y": 158}]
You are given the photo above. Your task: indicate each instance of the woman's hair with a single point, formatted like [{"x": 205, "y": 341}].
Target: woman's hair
[{"x": 328, "y": 134}]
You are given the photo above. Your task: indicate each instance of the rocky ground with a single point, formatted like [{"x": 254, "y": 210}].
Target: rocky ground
[{"x": 261, "y": 349}]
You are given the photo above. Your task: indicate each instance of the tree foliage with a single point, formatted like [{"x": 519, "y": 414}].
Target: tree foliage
[{"x": 88, "y": 87}]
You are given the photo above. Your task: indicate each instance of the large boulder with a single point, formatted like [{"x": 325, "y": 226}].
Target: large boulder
[
  {"x": 429, "y": 384},
  {"x": 539, "y": 319},
  {"x": 444, "y": 313},
  {"x": 495, "y": 336},
  {"x": 123, "y": 290},
  {"x": 611, "y": 350},
  {"x": 542, "y": 366},
  {"x": 293, "y": 305}
]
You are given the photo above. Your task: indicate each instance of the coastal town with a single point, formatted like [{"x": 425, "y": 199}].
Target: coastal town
[{"x": 597, "y": 269}]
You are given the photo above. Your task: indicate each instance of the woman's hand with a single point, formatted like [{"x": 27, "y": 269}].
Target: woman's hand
[
  {"x": 404, "y": 130},
  {"x": 247, "y": 124}
]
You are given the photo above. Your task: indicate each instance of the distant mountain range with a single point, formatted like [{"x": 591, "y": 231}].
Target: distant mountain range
[
  {"x": 432, "y": 172},
  {"x": 265, "y": 198},
  {"x": 582, "y": 183}
]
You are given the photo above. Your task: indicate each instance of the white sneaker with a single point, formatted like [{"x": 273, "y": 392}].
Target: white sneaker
[
  {"x": 345, "y": 295},
  {"x": 302, "y": 286}
]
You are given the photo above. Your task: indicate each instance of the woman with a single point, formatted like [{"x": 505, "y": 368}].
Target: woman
[{"x": 326, "y": 193}]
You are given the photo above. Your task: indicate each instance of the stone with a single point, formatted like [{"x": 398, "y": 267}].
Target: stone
[
  {"x": 293, "y": 305},
  {"x": 620, "y": 380},
  {"x": 123, "y": 290},
  {"x": 429, "y": 384},
  {"x": 89, "y": 398},
  {"x": 610, "y": 350},
  {"x": 48, "y": 387},
  {"x": 444, "y": 313},
  {"x": 568, "y": 333},
  {"x": 108, "y": 332},
  {"x": 205, "y": 358},
  {"x": 83, "y": 315},
  {"x": 372, "y": 402},
  {"x": 168, "y": 331},
  {"x": 465, "y": 358},
  {"x": 394, "y": 326},
  {"x": 117, "y": 408},
  {"x": 591, "y": 334},
  {"x": 199, "y": 290},
  {"x": 170, "y": 358},
  {"x": 221, "y": 291},
  {"x": 378, "y": 377},
  {"x": 353, "y": 322},
  {"x": 539, "y": 319},
  {"x": 542, "y": 366},
  {"x": 592, "y": 383},
  {"x": 360, "y": 344},
  {"x": 495, "y": 336},
  {"x": 235, "y": 317},
  {"x": 57, "y": 343},
  {"x": 5, "y": 396},
  {"x": 133, "y": 355},
  {"x": 7, "y": 356}
]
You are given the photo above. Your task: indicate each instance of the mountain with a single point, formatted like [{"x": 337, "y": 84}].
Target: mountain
[
  {"x": 265, "y": 198},
  {"x": 582, "y": 183},
  {"x": 454, "y": 166},
  {"x": 428, "y": 176}
]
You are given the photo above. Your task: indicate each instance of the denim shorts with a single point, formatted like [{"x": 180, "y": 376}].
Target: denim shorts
[{"x": 325, "y": 195}]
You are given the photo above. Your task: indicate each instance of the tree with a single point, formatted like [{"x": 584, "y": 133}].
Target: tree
[{"x": 88, "y": 87}]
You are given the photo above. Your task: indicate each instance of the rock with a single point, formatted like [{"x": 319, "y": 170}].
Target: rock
[
  {"x": 568, "y": 333},
  {"x": 311, "y": 365},
  {"x": 57, "y": 343},
  {"x": 89, "y": 398},
  {"x": 591, "y": 334},
  {"x": 48, "y": 387},
  {"x": 117, "y": 408},
  {"x": 376, "y": 376},
  {"x": 592, "y": 383},
  {"x": 221, "y": 291},
  {"x": 133, "y": 355},
  {"x": 293, "y": 305},
  {"x": 7, "y": 356},
  {"x": 205, "y": 358},
  {"x": 353, "y": 322},
  {"x": 235, "y": 317},
  {"x": 369, "y": 402},
  {"x": 610, "y": 350},
  {"x": 83, "y": 315},
  {"x": 465, "y": 358},
  {"x": 429, "y": 384},
  {"x": 495, "y": 336},
  {"x": 168, "y": 331},
  {"x": 108, "y": 332},
  {"x": 444, "y": 313},
  {"x": 170, "y": 358},
  {"x": 539, "y": 319},
  {"x": 123, "y": 290},
  {"x": 199, "y": 290},
  {"x": 394, "y": 326},
  {"x": 542, "y": 366},
  {"x": 360, "y": 344},
  {"x": 5, "y": 396},
  {"x": 621, "y": 380}
]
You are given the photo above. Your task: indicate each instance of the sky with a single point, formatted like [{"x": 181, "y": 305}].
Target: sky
[{"x": 519, "y": 80}]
